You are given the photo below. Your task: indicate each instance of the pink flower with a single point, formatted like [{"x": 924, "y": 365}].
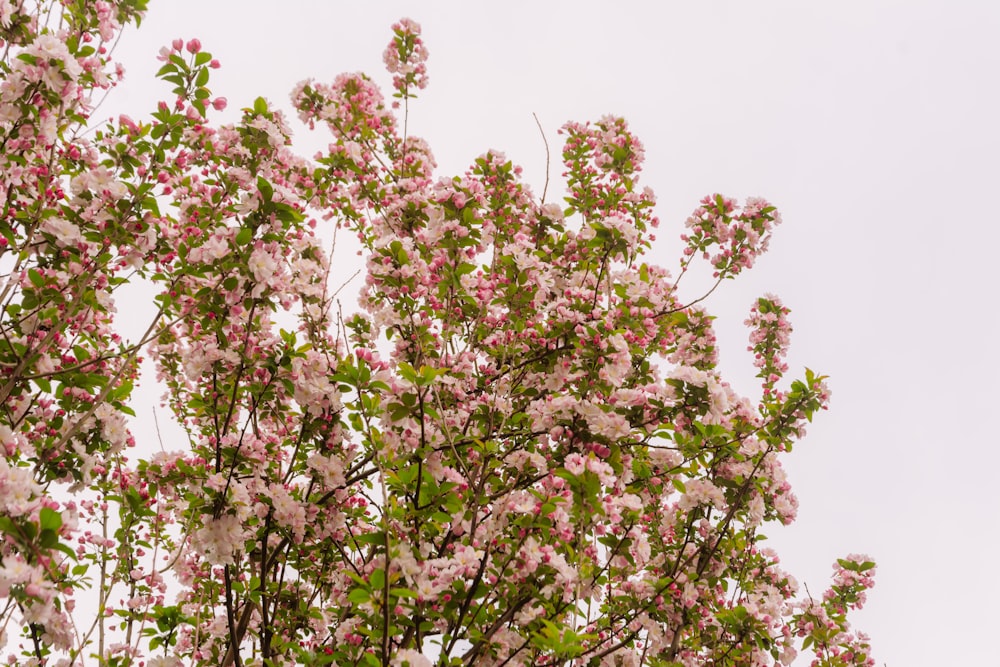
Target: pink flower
[
  {"x": 575, "y": 464},
  {"x": 194, "y": 46},
  {"x": 219, "y": 539},
  {"x": 406, "y": 57}
]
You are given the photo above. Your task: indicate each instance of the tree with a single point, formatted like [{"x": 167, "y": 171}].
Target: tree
[{"x": 517, "y": 451}]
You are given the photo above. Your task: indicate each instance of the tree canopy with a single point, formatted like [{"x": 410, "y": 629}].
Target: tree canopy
[{"x": 516, "y": 450}]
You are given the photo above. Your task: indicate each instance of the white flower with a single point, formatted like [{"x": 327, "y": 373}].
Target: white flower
[
  {"x": 329, "y": 468},
  {"x": 215, "y": 247},
  {"x": 164, "y": 661},
  {"x": 690, "y": 375},
  {"x": 353, "y": 150},
  {"x": 274, "y": 134},
  {"x": 218, "y": 539},
  {"x": 17, "y": 488},
  {"x": 66, "y": 233},
  {"x": 409, "y": 657},
  {"x": 6, "y": 13},
  {"x": 262, "y": 265},
  {"x": 552, "y": 211},
  {"x": 48, "y": 48}
]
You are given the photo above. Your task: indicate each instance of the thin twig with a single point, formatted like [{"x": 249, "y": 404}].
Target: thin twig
[
  {"x": 156, "y": 425},
  {"x": 547, "y": 156}
]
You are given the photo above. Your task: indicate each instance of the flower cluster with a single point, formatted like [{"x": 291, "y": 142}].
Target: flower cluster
[
  {"x": 770, "y": 332},
  {"x": 406, "y": 58},
  {"x": 823, "y": 625},
  {"x": 740, "y": 235}
]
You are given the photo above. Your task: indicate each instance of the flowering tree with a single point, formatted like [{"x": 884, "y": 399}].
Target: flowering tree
[{"x": 517, "y": 451}]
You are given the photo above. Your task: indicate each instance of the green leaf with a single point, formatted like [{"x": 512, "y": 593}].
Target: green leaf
[
  {"x": 442, "y": 518},
  {"x": 266, "y": 190},
  {"x": 48, "y": 539},
  {"x": 49, "y": 519},
  {"x": 202, "y": 77},
  {"x": 359, "y": 596},
  {"x": 66, "y": 549},
  {"x": 36, "y": 278},
  {"x": 407, "y": 372},
  {"x": 402, "y": 593},
  {"x": 377, "y": 539}
]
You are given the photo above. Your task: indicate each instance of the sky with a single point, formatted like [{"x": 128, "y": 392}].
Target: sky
[{"x": 872, "y": 125}]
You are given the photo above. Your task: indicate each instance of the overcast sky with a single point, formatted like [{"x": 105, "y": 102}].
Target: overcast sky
[{"x": 872, "y": 125}]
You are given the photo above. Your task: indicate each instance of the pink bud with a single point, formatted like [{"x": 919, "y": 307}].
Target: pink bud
[
  {"x": 214, "y": 64},
  {"x": 178, "y": 44},
  {"x": 219, "y": 103},
  {"x": 194, "y": 46}
]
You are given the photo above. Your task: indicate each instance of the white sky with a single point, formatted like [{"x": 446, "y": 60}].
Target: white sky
[{"x": 873, "y": 125}]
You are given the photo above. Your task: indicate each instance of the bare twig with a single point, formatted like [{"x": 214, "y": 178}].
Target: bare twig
[{"x": 547, "y": 155}]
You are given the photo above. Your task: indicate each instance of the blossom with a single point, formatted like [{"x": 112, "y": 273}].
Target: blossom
[
  {"x": 408, "y": 657},
  {"x": 219, "y": 539},
  {"x": 770, "y": 332},
  {"x": 18, "y": 489},
  {"x": 701, "y": 491},
  {"x": 113, "y": 427},
  {"x": 330, "y": 469},
  {"x": 262, "y": 264},
  {"x": 65, "y": 232},
  {"x": 6, "y": 13},
  {"x": 406, "y": 56},
  {"x": 288, "y": 511},
  {"x": 576, "y": 464},
  {"x": 164, "y": 661}
]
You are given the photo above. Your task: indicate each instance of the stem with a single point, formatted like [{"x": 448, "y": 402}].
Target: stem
[
  {"x": 385, "y": 586},
  {"x": 235, "y": 638}
]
